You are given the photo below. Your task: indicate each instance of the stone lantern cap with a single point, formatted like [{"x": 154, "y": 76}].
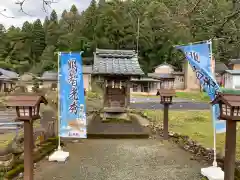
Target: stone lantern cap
[
  {"x": 167, "y": 92},
  {"x": 24, "y": 100},
  {"x": 229, "y": 105}
]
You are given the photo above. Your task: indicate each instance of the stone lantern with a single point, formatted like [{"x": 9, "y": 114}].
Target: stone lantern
[
  {"x": 27, "y": 110},
  {"x": 229, "y": 105},
  {"x": 166, "y": 92}
]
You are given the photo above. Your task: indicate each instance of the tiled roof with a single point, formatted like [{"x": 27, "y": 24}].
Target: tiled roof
[
  {"x": 165, "y": 64},
  {"x": 48, "y": 75},
  {"x": 234, "y": 72},
  {"x": 3, "y": 77},
  {"x": 144, "y": 79},
  {"x": 116, "y": 62},
  {"x": 9, "y": 74},
  {"x": 234, "y": 61}
]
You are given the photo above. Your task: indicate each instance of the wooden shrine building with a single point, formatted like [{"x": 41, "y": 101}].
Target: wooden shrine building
[{"x": 116, "y": 68}]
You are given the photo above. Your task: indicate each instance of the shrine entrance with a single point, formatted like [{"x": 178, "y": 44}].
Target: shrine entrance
[
  {"x": 116, "y": 97},
  {"x": 116, "y": 94}
]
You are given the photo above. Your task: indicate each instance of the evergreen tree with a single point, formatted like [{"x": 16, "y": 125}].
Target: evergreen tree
[
  {"x": 27, "y": 27},
  {"x": 74, "y": 9},
  {"x": 38, "y": 39},
  {"x": 54, "y": 17},
  {"x": 46, "y": 23},
  {"x": 64, "y": 13}
]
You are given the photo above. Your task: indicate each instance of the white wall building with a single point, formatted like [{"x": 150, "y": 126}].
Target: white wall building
[{"x": 232, "y": 79}]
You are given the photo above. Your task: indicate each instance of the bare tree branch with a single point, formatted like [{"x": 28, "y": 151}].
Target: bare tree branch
[
  {"x": 21, "y": 3},
  {"x": 47, "y": 3},
  {"x": 1, "y": 13}
]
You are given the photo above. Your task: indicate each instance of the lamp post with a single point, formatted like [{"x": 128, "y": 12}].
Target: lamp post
[
  {"x": 27, "y": 109},
  {"x": 229, "y": 105},
  {"x": 166, "y": 92}
]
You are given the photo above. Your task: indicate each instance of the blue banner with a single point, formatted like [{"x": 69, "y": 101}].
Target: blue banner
[
  {"x": 199, "y": 58},
  {"x": 71, "y": 93}
]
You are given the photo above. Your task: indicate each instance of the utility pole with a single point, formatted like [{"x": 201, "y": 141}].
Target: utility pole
[{"x": 138, "y": 27}]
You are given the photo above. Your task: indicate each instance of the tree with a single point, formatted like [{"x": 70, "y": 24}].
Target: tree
[
  {"x": 27, "y": 27},
  {"x": 113, "y": 24},
  {"x": 38, "y": 44},
  {"x": 74, "y": 9},
  {"x": 54, "y": 17},
  {"x": 46, "y": 23}
]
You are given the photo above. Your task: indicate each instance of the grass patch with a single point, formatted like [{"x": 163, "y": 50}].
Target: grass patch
[
  {"x": 197, "y": 96},
  {"x": 195, "y": 124}
]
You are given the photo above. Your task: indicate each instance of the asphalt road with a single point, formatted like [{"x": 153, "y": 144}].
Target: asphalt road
[
  {"x": 154, "y": 103},
  {"x": 177, "y": 105},
  {"x": 108, "y": 159},
  {"x": 139, "y": 99}
]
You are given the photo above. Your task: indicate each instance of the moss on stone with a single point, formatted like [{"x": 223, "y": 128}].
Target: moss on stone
[
  {"x": 46, "y": 149},
  {"x": 7, "y": 138}
]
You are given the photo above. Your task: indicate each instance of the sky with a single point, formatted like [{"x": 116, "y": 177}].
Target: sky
[{"x": 35, "y": 10}]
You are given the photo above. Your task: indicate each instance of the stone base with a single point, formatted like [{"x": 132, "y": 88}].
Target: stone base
[
  {"x": 116, "y": 128},
  {"x": 59, "y": 156},
  {"x": 213, "y": 173},
  {"x": 111, "y": 116}
]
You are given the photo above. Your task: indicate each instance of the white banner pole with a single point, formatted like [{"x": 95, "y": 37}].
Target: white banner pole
[
  {"x": 59, "y": 116},
  {"x": 213, "y": 172},
  {"x": 213, "y": 116},
  {"x": 59, "y": 155}
]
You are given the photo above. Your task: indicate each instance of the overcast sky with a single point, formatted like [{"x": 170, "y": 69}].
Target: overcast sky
[{"x": 34, "y": 8}]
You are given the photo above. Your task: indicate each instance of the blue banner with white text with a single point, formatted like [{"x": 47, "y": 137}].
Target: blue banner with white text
[
  {"x": 199, "y": 58},
  {"x": 71, "y": 93}
]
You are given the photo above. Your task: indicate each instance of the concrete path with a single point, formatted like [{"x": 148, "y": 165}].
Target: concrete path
[{"x": 108, "y": 159}]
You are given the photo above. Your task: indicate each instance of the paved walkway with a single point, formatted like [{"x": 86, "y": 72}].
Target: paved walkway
[{"x": 106, "y": 159}]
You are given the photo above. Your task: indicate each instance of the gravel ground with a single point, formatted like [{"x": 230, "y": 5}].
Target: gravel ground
[{"x": 106, "y": 159}]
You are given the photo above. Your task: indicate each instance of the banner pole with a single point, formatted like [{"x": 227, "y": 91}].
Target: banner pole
[
  {"x": 213, "y": 112},
  {"x": 59, "y": 118},
  {"x": 59, "y": 155}
]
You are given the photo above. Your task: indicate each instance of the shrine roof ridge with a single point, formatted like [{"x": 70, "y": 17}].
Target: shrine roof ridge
[{"x": 116, "y": 62}]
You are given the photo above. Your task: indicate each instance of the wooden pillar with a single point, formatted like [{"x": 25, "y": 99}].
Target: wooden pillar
[
  {"x": 105, "y": 93},
  {"x": 28, "y": 150},
  {"x": 230, "y": 151},
  {"x": 165, "y": 122},
  {"x": 128, "y": 94}
]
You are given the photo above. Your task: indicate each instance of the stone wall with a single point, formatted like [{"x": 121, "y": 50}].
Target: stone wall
[{"x": 197, "y": 150}]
